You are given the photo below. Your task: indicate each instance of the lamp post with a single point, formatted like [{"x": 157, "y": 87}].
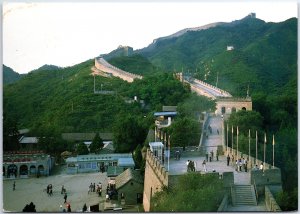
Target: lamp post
[
  {"x": 256, "y": 147},
  {"x": 265, "y": 152},
  {"x": 249, "y": 148},
  {"x": 231, "y": 139},
  {"x": 169, "y": 152},
  {"x": 273, "y": 143},
  {"x": 237, "y": 142},
  {"x": 227, "y": 140}
]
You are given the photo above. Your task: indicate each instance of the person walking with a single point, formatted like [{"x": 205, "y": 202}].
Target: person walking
[
  {"x": 228, "y": 160},
  {"x": 206, "y": 155},
  {"x": 14, "y": 186}
]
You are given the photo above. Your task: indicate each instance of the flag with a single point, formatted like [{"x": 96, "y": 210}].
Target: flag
[{"x": 273, "y": 141}]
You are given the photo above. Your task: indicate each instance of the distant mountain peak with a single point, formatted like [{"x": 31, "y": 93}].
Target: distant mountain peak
[
  {"x": 183, "y": 31},
  {"x": 46, "y": 67}
]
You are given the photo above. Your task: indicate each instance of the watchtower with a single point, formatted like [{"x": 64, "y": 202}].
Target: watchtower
[{"x": 228, "y": 105}]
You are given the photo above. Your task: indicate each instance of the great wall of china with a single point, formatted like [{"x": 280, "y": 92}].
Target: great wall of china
[
  {"x": 102, "y": 67},
  {"x": 156, "y": 175}
]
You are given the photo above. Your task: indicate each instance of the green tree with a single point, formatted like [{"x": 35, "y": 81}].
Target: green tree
[
  {"x": 246, "y": 120},
  {"x": 128, "y": 133},
  {"x": 184, "y": 131},
  {"x": 97, "y": 144},
  {"x": 10, "y": 134},
  {"x": 82, "y": 149},
  {"x": 137, "y": 156}
]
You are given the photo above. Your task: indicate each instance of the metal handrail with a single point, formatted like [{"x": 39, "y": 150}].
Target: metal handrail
[
  {"x": 232, "y": 196},
  {"x": 256, "y": 194}
]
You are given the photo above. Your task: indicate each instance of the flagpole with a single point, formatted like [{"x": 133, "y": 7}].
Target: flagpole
[
  {"x": 249, "y": 148},
  {"x": 273, "y": 150},
  {"x": 237, "y": 142},
  {"x": 227, "y": 140},
  {"x": 231, "y": 139},
  {"x": 265, "y": 151},
  {"x": 256, "y": 147},
  {"x": 165, "y": 143},
  {"x": 169, "y": 153}
]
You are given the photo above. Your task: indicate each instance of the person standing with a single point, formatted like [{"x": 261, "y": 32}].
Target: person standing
[
  {"x": 204, "y": 165},
  {"x": 243, "y": 163},
  {"x": 261, "y": 167},
  {"x": 84, "y": 209},
  {"x": 187, "y": 165},
  {"x": 246, "y": 167},
  {"x": 14, "y": 186},
  {"x": 69, "y": 208},
  {"x": 228, "y": 160},
  {"x": 206, "y": 155},
  {"x": 62, "y": 189},
  {"x": 65, "y": 197}
]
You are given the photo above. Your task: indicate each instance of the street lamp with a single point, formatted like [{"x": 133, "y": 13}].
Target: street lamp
[
  {"x": 265, "y": 151},
  {"x": 227, "y": 140},
  {"x": 237, "y": 142},
  {"x": 249, "y": 148}
]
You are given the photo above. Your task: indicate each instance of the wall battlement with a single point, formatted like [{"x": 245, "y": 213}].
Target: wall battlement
[
  {"x": 156, "y": 177},
  {"x": 157, "y": 168},
  {"x": 104, "y": 66}
]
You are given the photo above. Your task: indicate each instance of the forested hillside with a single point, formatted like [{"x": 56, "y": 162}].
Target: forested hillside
[
  {"x": 9, "y": 75},
  {"x": 52, "y": 101},
  {"x": 264, "y": 55}
]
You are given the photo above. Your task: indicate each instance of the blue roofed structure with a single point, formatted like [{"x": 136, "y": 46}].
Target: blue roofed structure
[{"x": 165, "y": 114}]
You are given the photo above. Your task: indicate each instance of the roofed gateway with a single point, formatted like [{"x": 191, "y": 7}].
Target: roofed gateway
[{"x": 228, "y": 105}]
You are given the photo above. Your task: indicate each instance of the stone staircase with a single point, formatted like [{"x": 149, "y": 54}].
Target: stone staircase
[{"x": 243, "y": 195}]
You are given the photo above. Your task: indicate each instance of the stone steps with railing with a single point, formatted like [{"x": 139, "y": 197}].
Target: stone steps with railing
[{"x": 243, "y": 195}]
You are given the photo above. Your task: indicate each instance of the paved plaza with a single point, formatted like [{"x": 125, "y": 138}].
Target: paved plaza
[{"x": 33, "y": 190}]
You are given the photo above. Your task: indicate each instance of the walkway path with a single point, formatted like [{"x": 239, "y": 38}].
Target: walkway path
[{"x": 214, "y": 139}]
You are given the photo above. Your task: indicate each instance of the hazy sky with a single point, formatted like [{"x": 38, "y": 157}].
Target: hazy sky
[{"x": 68, "y": 33}]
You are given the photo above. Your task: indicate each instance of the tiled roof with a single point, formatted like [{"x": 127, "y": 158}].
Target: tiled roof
[
  {"x": 29, "y": 140},
  {"x": 86, "y": 136},
  {"x": 128, "y": 175},
  {"x": 169, "y": 108}
]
